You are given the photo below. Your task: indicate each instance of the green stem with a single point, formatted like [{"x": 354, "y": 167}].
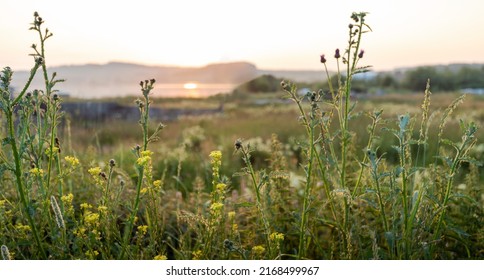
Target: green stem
[
  {"x": 20, "y": 187},
  {"x": 307, "y": 192}
]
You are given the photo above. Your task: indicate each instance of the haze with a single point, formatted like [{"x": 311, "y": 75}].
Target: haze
[{"x": 271, "y": 34}]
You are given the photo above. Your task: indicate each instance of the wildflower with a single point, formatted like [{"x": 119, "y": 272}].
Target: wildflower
[
  {"x": 160, "y": 258},
  {"x": 94, "y": 171},
  {"x": 22, "y": 228},
  {"x": 112, "y": 163},
  {"x": 57, "y": 212},
  {"x": 221, "y": 187},
  {"x": 72, "y": 161},
  {"x": 91, "y": 218},
  {"x": 323, "y": 59},
  {"x": 54, "y": 150},
  {"x": 197, "y": 255},
  {"x": 216, "y": 157},
  {"x": 145, "y": 158},
  {"x": 216, "y": 206},
  {"x": 157, "y": 183},
  {"x": 337, "y": 54},
  {"x": 276, "y": 236},
  {"x": 85, "y": 206},
  {"x": 90, "y": 254},
  {"x": 231, "y": 215},
  {"x": 80, "y": 232},
  {"x": 36, "y": 171},
  {"x": 143, "y": 229},
  {"x": 258, "y": 250},
  {"x": 360, "y": 55},
  {"x": 143, "y": 190},
  {"x": 102, "y": 209}
]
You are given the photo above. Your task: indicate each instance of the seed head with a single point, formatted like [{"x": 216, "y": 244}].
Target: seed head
[{"x": 5, "y": 253}]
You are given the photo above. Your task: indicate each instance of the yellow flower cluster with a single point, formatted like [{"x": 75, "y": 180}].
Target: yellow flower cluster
[
  {"x": 145, "y": 158},
  {"x": 91, "y": 219},
  {"x": 276, "y": 236},
  {"x": 142, "y": 230},
  {"x": 215, "y": 207},
  {"x": 22, "y": 228},
  {"x": 258, "y": 250},
  {"x": 216, "y": 158},
  {"x": 160, "y": 258},
  {"x": 91, "y": 254},
  {"x": 72, "y": 161},
  {"x": 102, "y": 209},
  {"x": 157, "y": 184},
  {"x": 197, "y": 255},
  {"x": 85, "y": 206},
  {"x": 221, "y": 187},
  {"x": 36, "y": 171},
  {"x": 94, "y": 171}
]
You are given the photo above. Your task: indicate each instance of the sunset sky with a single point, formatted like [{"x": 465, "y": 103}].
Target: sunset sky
[{"x": 271, "y": 34}]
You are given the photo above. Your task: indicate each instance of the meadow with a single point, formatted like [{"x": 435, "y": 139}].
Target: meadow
[{"x": 319, "y": 175}]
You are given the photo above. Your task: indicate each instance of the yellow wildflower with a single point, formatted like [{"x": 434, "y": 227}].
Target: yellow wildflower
[
  {"x": 143, "y": 160},
  {"x": 146, "y": 153},
  {"x": 143, "y": 229},
  {"x": 276, "y": 236},
  {"x": 160, "y": 258},
  {"x": 73, "y": 161},
  {"x": 216, "y": 157},
  {"x": 94, "y": 171},
  {"x": 143, "y": 190},
  {"x": 91, "y": 218},
  {"x": 216, "y": 206},
  {"x": 258, "y": 250},
  {"x": 221, "y": 187},
  {"x": 231, "y": 215},
  {"x": 90, "y": 254},
  {"x": 37, "y": 171},
  {"x": 157, "y": 183},
  {"x": 67, "y": 199},
  {"x": 85, "y": 206},
  {"x": 22, "y": 228},
  {"x": 197, "y": 255},
  {"x": 102, "y": 209}
]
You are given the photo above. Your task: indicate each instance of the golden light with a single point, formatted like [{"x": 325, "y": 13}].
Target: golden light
[{"x": 190, "y": 86}]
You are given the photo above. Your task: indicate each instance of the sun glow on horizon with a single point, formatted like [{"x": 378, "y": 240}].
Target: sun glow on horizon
[{"x": 190, "y": 86}]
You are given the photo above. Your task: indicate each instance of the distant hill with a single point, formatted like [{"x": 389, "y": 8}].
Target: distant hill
[{"x": 122, "y": 79}]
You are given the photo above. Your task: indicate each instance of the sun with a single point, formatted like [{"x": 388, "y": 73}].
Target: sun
[{"x": 190, "y": 86}]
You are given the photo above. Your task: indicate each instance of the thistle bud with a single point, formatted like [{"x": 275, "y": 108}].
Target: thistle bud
[
  {"x": 238, "y": 144},
  {"x": 323, "y": 59},
  {"x": 112, "y": 163},
  {"x": 337, "y": 54},
  {"x": 360, "y": 55}
]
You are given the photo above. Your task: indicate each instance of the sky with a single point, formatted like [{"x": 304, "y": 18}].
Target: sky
[{"x": 282, "y": 35}]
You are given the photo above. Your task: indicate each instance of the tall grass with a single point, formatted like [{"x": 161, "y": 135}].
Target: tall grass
[{"x": 397, "y": 190}]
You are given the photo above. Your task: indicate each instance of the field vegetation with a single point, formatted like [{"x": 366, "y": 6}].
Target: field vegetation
[{"x": 319, "y": 174}]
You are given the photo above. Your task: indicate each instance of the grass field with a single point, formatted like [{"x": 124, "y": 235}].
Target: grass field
[{"x": 299, "y": 177}]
